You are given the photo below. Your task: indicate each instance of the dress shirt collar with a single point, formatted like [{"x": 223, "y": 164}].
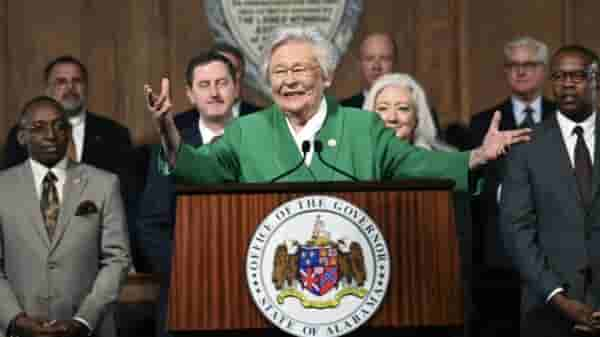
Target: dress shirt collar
[
  {"x": 40, "y": 171},
  {"x": 310, "y": 130},
  {"x": 208, "y": 134},
  {"x": 567, "y": 125},
  {"x": 519, "y": 105},
  {"x": 79, "y": 118},
  {"x": 235, "y": 109}
]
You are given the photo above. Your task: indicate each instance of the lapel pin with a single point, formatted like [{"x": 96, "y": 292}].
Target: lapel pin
[{"x": 331, "y": 142}]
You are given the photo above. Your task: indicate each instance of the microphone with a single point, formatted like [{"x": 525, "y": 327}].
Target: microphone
[
  {"x": 305, "y": 150},
  {"x": 319, "y": 149}
]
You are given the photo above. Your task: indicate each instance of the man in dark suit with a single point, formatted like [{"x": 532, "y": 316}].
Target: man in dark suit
[
  {"x": 66, "y": 80},
  {"x": 550, "y": 206},
  {"x": 377, "y": 56},
  {"x": 241, "y": 107},
  {"x": 212, "y": 88},
  {"x": 525, "y": 63}
]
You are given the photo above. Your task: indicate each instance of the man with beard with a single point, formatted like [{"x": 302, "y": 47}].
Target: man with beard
[
  {"x": 212, "y": 88},
  {"x": 550, "y": 206},
  {"x": 66, "y": 80}
]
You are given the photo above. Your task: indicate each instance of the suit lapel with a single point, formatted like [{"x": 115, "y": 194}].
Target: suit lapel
[
  {"x": 74, "y": 186},
  {"x": 31, "y": 202},
  {"x": 548, "y": 108},
  {"x": 566, "y": 173},
  {"x": 508, "y": 116},
  {"x": 596, "y": 167}
]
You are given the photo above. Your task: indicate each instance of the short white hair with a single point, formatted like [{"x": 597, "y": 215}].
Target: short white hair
[
  {"x": 539, "y": 48},
  {"x": 425, "y": 131},
  {"x": 327, "y": 53}
]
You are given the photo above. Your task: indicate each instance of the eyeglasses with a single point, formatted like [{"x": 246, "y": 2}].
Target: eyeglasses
[
  {"x": 577, "y": 76},
  {"x": 58, "y": 126},
  {"x": 524, "y": 66},
  {"x": 297, "y": 72}
]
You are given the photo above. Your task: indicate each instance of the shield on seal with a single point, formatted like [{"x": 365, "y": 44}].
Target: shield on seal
[{"x": 318, "y": 268}]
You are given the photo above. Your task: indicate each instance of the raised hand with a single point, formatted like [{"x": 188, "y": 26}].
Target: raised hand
[
  {"x": 160, "y": 107},
  {"x": 496, "y": 143}
]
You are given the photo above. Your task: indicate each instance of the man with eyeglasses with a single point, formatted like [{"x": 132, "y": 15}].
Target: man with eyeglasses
[
  {"x": 64, "y": 250},
  {"x": 496, "y": 288},
  {"x": 549, "y": 211}
]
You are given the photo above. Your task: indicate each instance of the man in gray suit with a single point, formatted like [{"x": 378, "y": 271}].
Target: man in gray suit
[
  {"x": 64, "y": 252},
  {"x": 550, "y": 206}
]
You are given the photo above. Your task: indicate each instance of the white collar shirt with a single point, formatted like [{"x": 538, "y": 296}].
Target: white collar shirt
[{"x": 310, "y": 130}]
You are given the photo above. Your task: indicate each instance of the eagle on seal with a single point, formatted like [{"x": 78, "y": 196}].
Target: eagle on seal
[{"x": 350, "y": 263}]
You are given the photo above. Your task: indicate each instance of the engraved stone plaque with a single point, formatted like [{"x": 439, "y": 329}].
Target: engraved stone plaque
[{"x": 247, "y": 24}]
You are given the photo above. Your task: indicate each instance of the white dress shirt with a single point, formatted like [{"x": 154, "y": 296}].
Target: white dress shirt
[
  {"x": 570, "y": 139},
  {"x": 310, "y": 130},
  {"x": 60, "y": 171},
  {"x": 519, "y": 106},
  {"x": 78, "y": 132},
  {"x": 40, "y": 171}
]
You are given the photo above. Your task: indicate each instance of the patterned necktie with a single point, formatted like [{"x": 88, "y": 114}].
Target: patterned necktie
[
  {"x": 72, "y": 151},
  {"x": 583, "y": 168},
  {"x": 49, "y": 203},
  {"x": 528, "y": 122}
]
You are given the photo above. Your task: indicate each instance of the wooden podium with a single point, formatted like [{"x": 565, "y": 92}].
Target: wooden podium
[{"x": 215, "y": 224}]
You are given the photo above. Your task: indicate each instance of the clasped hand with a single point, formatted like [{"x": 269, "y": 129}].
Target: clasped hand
[{"x": 26, "y": 326}]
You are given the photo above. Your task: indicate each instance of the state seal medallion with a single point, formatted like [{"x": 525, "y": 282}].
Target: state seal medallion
[{"x": 318, "y": 266}]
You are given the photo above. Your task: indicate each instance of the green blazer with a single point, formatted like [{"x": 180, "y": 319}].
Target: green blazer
[{"x": 259, "y": 147}]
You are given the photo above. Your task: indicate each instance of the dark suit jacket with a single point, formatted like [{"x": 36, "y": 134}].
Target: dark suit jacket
[
  {"x": 355, "y": 101},
  {"x": 552, "y": 238},
  {"x": 485, "y": 207},
  {"x": 247, "y": 108}
]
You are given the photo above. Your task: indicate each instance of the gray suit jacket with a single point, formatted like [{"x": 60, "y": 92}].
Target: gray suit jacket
[
  {"x": 81, "y": 271},
  {"x": 553, "y": 240}
]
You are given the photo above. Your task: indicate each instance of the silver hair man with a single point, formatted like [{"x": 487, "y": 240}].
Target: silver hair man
[{"x": 539, "y": 48}]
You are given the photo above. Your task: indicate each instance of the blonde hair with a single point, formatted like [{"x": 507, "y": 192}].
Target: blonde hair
[{"x": 426, "y": 134}]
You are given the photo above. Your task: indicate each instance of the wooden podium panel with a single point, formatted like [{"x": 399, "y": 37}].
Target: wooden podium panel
[{"x": 215, "y": 224}]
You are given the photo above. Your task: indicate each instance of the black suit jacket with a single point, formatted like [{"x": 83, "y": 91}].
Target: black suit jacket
[
  {"x": 552, "y": 238},
  {"x": 247, "y": 108},
  {"x": 355, "y": 101},
  {"x": 485, "y": 207}
]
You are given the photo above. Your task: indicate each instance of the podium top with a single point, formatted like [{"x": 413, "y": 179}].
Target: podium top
[{"x": 304, "y": 187}]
